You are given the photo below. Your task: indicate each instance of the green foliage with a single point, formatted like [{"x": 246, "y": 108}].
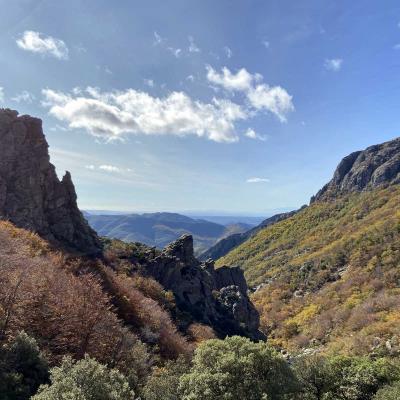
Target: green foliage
[
  {"x": 85, "y": 380},
  {"x": 164, "y": 381},
  {"x": 391, "y": 392},
  {"x": 330, "y": 274},
  {"x": 347, "y": 378},
  {"x": 236, "y": 368},
  {"x": 22, "y": 368}
]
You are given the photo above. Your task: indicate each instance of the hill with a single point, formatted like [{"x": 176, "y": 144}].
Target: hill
[
  {"x": 160, "y": 229},
  {"x": 329, "y": 277},
  {"x": 227, "y": 244}
]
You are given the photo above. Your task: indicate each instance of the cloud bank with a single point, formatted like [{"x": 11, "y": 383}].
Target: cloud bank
[{"x": 112, "y": 115}]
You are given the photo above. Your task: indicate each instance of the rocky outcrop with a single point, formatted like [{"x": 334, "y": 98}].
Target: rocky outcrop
[
  {"x": 31, "y": 195},
  {"x": 216, "y": 297},
  {"x": 374, "y": 167},
  {"x": 224, "y": 246}
]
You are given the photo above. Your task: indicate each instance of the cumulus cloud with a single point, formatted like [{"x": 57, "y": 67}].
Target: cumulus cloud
[
  {"x": 333, "y": 64},
  {"x": 157, "y": 39},
  {"x": 38, "y": 43},
  {"x": 257, "y": 180},
  {"x": 1, "y": 94},
  {"x": 193, "y": 48},
  {"x": 24, "y": 97},
  {"x": 252, "y": 134},
  {"x": 112, "y": 115},
  {"x": 109, "y": 168},
  {"x": 241, "y": 81},
  {"x": 260, "y": 96}
]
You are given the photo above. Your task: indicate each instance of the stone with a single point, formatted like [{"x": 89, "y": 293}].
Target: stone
[
  {"x": 31, "y": 195},
  {"x": 216, "y": 297},
  {"x": 377, "y": 166}
]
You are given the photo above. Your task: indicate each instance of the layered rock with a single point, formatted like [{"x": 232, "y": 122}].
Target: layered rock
[
  {"x": 31, "y": 195},
  {"x": 374, "y": 167},
  {"x": 216, "y": 297}
]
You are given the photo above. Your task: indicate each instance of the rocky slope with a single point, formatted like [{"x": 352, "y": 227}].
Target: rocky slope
[
  {"x": 328, "y": 277},
  {"x": 224, "y": 246},
  {"x": 31, "y": 195},
  {"x": 371, "y": 168},
  {"x": 33, "y": 198},
  {"x": 216, "y": 297}
]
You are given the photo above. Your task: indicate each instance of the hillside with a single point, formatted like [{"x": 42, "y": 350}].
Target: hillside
[
  {"x": 329, "y": 277},
  {"x": 227, "y": 244},
  {"x": 160, "y": 229}
]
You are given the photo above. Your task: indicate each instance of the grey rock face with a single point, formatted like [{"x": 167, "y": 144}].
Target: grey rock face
[
  {"x": 31, "y": 195},
  {"x": 216, "y": 297},
  {"x": 374, "y": 167}
]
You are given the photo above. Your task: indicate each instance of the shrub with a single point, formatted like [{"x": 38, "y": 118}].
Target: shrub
[
  {"x": 236, "y": 368},
  {"x": 85, "y": 380}
]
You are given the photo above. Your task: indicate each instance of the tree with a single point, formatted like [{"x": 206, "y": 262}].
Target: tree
[
  {"x": 236, "y": 368},
  {"x": 314, "y": 375},
  {"x": 164, "y": 381},
  {"x": 22, "y": 369},
  {"x": 85, "y": 380}
]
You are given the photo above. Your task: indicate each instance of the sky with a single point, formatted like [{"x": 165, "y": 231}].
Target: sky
[{"x": 230, "y": 107}]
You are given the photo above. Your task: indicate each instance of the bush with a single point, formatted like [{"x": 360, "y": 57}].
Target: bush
[
  {"x": 22, "y": 368},
  {"x": 85, "y": 380},
  {"x": 389, "y": 392},
  {"x": 236, "y": 368}
]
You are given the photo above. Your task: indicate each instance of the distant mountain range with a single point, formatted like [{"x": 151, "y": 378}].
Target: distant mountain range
[{"x": 160, "y": 229}]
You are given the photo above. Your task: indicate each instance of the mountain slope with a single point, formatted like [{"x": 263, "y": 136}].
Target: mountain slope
[
  {"x": 329, "y": 276},
  {"x": 225, "y": 245},
  {"x": 160, "y": 229}
]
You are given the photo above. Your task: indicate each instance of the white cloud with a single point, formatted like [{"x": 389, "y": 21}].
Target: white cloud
[
  {"x": 193, "y": 48},
  {"x": 1, "y": 94},
  {"x": 190, "y": 78},
  {"x": 334, "y": 64},
  {"x": 176, "y": 52},
  {"x": 257, "y": 180},
  {"x": 228, "y": 52},
  {"x": 149, "y": 82},
  {"x": 24, "y": 96},
  {"x": 37, "y": 43},
  {"x": 157, "y": 39},
  {"x": 112, "y": 115},
  {"x": 91, "y": 167},
  {"x": 273, "y": 99},
  {"x": 109, "y": 168},
  {"x": 240, "y": 81},
  {"x": 261, "y": 96},
  {"x": 252, "y": 134}
]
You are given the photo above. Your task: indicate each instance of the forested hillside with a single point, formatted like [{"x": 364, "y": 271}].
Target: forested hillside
[{"x": 329, "y": 276}]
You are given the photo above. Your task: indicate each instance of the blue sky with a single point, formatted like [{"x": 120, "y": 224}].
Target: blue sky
[{"x": 230, "y": 106}]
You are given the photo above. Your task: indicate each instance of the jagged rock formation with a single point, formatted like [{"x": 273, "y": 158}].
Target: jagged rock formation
[
  {"x": 31, "y": 195},
  {"x": 224, "y": 246},
  {"x": 216, "y": 297},
  {"x": 374, "y": 167}
]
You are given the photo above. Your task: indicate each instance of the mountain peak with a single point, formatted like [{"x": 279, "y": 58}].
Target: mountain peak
[
  {"x": 376, "y": 166},
  {"x": 31, "y": 195}
]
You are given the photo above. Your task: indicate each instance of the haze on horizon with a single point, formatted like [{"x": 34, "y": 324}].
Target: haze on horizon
[{"x": 235, "y": 107}]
